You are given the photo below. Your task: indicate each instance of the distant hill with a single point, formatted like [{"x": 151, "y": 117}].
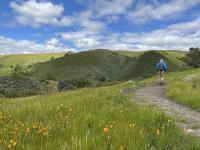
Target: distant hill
[
  {"x": 146, "y": 63},
  {"x": 95, "y": 65},
  {"x": 103, "y": 65},
  {"x": 23, "y": 59}
]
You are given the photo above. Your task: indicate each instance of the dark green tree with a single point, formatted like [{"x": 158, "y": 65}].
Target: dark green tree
[
  {"x": 16, "y": 71},
  {"x": 193, "y": 57}
]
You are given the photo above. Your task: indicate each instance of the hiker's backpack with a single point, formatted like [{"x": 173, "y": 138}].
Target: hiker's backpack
[{"x": 161, "y": 67}]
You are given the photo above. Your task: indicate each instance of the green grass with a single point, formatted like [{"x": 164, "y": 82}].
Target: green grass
[
  {"x": 184, "y": 88},
  {"x": 23, "y": 59},
  {"x": 93, "y": 118},
  {"x": 131, "y": 53}
]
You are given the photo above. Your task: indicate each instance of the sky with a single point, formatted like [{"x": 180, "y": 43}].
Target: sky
[{"x": 48, "y": 26}]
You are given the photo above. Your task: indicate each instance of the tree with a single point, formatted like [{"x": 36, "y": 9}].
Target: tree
[
  {"x": 16, "y": 71},
  {"x": 191, "y": 49},
  {"x": 193, "y": 57}
]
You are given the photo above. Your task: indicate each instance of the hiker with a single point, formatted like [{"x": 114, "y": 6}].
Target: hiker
[{"x": 161, "y": 68}]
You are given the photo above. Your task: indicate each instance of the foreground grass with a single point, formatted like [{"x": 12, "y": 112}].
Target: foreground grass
[
  {"x": 185, "y": 88},
  {"x": 98, "y": 118}
]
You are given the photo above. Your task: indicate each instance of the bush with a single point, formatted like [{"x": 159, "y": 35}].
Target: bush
[
  {"x": 16, "y": 71},
  {"x": 49, "y": 76},
  {"x": 102, "y": 79},
  {"x": 64, "y": 85},
  {"x": 193, "y": 57},
  {"x": 80, "y": 83}
]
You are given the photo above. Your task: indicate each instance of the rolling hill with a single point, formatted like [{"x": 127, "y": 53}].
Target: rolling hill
[
  {"x": 104, "y": 65},
  {"x": 97, "y": 118},
  {"x": 24, "y": 60},
  {"x": 95, "y": 65}
]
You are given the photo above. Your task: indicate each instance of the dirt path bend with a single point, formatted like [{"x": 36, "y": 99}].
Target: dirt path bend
[{"x": 187, "y": 118}]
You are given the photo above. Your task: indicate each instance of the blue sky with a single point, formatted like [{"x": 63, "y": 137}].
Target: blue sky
[{"x": 44, "y": 26}]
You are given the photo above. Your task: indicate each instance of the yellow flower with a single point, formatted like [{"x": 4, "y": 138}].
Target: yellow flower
[
  {"x": 121, "y": 147},
  {"x": 9, "y": 146},
  {"x": 105, "y": 130},
  {"x": 39, "y": 131},
  {"x": 27, "y": 130},
  {"x": 16, "y": 129},
  {"x": 11, "y": 141},
  {"x": 157, "y": 132},
  {"x": 14, "y": 144}
]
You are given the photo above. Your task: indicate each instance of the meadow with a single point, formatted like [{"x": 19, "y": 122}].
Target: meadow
[{"x": 90, "y": 118}]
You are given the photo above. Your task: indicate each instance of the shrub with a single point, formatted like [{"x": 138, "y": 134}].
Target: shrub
[
  {"x": 102, "y": 79},
  {"x": 64, "y": 85},
  {"x": 80, "y": 83},
  {"x": 49, "y": 76},
  {"x": 16, "y": 71},
  {"x": 193, "y": 57}
]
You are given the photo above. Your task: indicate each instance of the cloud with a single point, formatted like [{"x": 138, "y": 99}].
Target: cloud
[
  {"x": 36, "y": 13},
  {"x": 110, "y": 10},
  {"x": 177, "y": 36},
  {"x": 82, "y": 39},
  {"x": 12, "y": 46},
  {"x": 158, "y": 11},
  {"x": 114, "y": 7}
]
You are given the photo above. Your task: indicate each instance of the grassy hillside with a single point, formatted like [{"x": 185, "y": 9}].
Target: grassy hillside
[
  {"x": 96, "y": 118},
  {"x": 96, "y": 65},
  {"x": 23, "y": 59},
  {"x": 146, "y": 63},
  {"x": 103, "y": 65}
]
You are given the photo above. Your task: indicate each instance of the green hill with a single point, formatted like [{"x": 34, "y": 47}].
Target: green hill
[
  {"x": 23, "y": 59},
  {"x": 145, "y": 64},
  {"x": 95, "y": 65},
  {"x": 104, "y": 65}
]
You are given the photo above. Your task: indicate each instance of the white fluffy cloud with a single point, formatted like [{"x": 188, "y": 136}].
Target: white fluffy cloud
[
  {"x": 36, "y": 13},
  {"x": 159, "y": 11},
  {"x": 10, "y": 46},
  {"x": 113, "y": 7},
  {"x": 91, "y": 26},
  {"x": 83, "y": 40},
  {"x": 178, "y": 36}
]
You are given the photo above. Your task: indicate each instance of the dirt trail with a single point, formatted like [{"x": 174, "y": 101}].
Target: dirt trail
[{"x": 187, "y": 118}]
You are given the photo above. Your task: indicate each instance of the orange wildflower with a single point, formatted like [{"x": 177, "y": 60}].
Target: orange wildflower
[{"x": 105, "y": 130}]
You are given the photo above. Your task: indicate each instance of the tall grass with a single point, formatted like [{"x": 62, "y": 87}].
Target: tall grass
[
  {"x": 98, "y": 118},
  {"x": 185, "y": 90}
]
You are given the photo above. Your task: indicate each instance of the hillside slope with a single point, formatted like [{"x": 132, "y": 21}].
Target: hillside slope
[
  {"x": 95, "y": 65},
  {"x": 90, "y": 118},
  {"x": 23, "y": 59},
  {"x": 145, "y": 64},
  {"x": 104, "y": 65}
]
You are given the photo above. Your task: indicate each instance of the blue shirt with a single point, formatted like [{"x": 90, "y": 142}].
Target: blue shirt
[{"x": 163, "y": 64}]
